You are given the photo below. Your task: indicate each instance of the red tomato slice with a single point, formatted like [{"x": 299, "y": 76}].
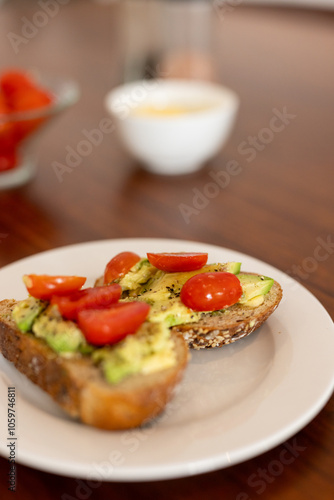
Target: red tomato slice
[
  {"x": 89, "y": 298},
  {"x": 108, "y": 326},
  {"x": 178, "y": 262},
  {"x": 211, "y": 291},
  {"x": 43, "y": 286},
  {"x": 13, "y": 80},
  {"x": 119, "y": 265}
]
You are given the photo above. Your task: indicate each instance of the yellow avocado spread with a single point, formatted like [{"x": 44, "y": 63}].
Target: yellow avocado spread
[
  {"x": 150, "y": 349},
  {"x": 162, "y": 290}
]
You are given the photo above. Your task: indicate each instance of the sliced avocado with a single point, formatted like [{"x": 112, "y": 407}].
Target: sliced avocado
[
  {"x": 138, "y": 276},
  {"x": 254, "y": 302},
  {"x": 61, "y": 335},
  {"x": 232, "y": 267},
  {"x": 172, "y": 312},
  {"x": 162, "y": 291},
  {"x": 168, "y": 285},
  {"x": 254, "y": 285},
  {"x": 26, "y": 311},
  {"x": 150, "y": 349},
  {"x": 86, "y": 349}
]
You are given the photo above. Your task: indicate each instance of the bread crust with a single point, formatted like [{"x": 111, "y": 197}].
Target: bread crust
[
  {"x": 235, "y": 323},
  {"x": 79, "y": 387}
]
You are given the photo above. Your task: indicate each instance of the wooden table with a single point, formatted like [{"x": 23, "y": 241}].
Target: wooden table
[{"x": 277, "y": 209}]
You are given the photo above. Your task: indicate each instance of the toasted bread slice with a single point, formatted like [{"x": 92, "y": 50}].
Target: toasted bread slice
[
  {"x": 234, "y": 323},
  {"x": 79, "y": 387}
]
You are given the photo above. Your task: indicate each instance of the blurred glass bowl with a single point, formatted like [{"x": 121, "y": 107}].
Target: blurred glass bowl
[{"x": 23, "y": 129}]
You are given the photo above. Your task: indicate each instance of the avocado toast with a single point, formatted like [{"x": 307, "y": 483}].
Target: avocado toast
[
  {"x": 113, "y": 386},
  {"x": 114, "y": 376},
  {"x": 202, "y": 329}
]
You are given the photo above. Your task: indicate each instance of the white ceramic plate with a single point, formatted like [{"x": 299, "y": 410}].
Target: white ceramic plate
[{"x": 233, "y": 404}]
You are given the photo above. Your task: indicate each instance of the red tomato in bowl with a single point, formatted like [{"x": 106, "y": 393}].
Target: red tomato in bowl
[
  {"x": 90, "y": 298},
  {"x": 13, "y": 80},
  {"x": 119, "y": 265},
  {"x": 108, "y": 326},
  {"x": 4, "y": 108},
  {"x": 211, "y": 291},
  {"x": 8, "y": 157},
  {"x": 178, "y": 262},
  {"x": 43, "y": 286},
  {"x": 19, "y": 93},
  {"x": 8, "y": 160},
  {"x": 29, "y": 100}
]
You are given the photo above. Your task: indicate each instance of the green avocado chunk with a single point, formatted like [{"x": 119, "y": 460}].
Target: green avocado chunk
[
  {"x": 61, "y": 335},
  {"x": 26, "y": 311},
  {"x": 253, "y": 286},
  {"x": 232, "y": 267},
  {"x": 139, "y": 275},
  {"x": 149, "y": 350}
]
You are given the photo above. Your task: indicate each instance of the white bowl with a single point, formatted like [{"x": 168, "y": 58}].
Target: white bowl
[{"x": 173, "y": 126}]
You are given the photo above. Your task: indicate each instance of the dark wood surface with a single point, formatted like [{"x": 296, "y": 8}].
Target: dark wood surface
[{"x": 276, "y": 209}]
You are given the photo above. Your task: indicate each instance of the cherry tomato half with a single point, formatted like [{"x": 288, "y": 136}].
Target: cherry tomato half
[
  {"x": 119, "y": 265},
  {"x": 89, "y": 298},
  {"x": 178, "y": 262},
  {"x": 211, "y": 291},
  {"x": 43, "y": 286},
  {"x": 108, "y": 326}
]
